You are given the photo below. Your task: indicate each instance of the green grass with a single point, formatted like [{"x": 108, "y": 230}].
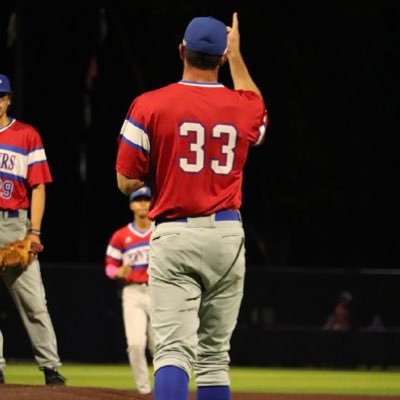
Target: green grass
[
  {"x": 260, "y": 380},
  {"x": 272, "y": 380}
]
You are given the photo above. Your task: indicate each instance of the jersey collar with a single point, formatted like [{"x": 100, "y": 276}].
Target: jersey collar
[
  {"x": 12, "y": 120},
  {"x": 202, "y": 84}
]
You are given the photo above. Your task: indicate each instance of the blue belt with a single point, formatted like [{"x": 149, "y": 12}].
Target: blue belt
[
  {"x": 223, "y": 215},
  {"x": 9, "y": 213}
]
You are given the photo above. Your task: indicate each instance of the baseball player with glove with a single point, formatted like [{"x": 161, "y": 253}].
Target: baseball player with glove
[
  {"x": 23, "y": 174},
  {"x": 127, "y": 259},
  {"x": 190, "y": 140}
]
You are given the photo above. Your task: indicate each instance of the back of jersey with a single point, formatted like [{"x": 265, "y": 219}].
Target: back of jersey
[{"x": 198, "y": 140}]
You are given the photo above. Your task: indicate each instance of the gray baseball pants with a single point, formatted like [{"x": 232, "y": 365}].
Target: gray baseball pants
[
  {"x": 28, "y": 293},
  {"x": 196, "y": 283}
]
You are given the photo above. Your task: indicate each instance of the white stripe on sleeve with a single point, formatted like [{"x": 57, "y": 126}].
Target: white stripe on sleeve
[
  {"x": 114, "y": 252},
  {"x": 36, "y": 156},
  {"x": 135, "y": 135}
]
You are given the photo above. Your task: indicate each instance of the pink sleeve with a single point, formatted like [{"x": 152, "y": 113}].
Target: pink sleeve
[{"x": 111, "y": 271}]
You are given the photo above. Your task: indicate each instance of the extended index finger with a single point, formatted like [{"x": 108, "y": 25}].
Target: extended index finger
[{"x": 235, "y": 21}]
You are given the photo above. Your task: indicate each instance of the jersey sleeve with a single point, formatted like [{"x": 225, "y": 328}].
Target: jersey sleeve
[
  {"x": 114, "y": 250},
  {"x": 257, "y": 110},
  {"x": 38, "y": 167},
  {"x": 134, "y": 144}
]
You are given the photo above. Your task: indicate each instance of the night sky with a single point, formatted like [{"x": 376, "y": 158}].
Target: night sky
[{"x": 320, "y": 192}]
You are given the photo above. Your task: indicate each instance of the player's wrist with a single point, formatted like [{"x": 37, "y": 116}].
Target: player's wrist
[{"x": 35, "y": 232}]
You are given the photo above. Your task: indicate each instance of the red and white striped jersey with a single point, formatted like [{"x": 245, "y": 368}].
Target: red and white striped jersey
[
  {"x": 23, "y": 164},
  {"x": 189, "y": 141},
  {"x": 130, "y": 246}
]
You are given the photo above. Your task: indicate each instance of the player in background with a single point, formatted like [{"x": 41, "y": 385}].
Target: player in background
[
  {"x": 24, "y": 172},
  {"x": 341, "y": 319},
  {"x": 190, "y": 141},
  {"x": 127, "y": 259}
]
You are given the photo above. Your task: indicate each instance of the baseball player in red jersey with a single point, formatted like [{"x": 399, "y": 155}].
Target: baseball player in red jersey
[
  {"x": 24, "y": 172},
  {"x": 127, "y": 259},
  {"x": 189, "y": 141}
]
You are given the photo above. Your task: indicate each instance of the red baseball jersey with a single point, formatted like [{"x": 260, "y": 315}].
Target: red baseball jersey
[
  {"x": 23, "y": 164},
  {"x": 190, "y": 141},
  {"x": 130, "y": 246}
]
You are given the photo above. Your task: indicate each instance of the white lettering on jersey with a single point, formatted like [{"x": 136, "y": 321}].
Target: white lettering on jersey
[
  {"x": 136, "y": 256},
  {"x": 197, "y": 147}
]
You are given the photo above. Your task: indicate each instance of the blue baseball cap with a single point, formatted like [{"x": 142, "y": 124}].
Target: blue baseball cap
[
  {"x": 206, "y": 35},
  {"x": 5, "y": 86},
  {"x": 142, "y": 192}
]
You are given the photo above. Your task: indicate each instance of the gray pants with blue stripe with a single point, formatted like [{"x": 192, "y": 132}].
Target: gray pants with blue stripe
[
  {"x": 196, "y": 283},
  {"x": 27, "y": 291}
]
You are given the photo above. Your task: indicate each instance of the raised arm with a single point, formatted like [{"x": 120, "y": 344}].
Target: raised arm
[{"x": 240, "y": 75}]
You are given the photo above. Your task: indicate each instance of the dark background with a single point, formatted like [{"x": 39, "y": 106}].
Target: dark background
[
  {"x": 319, "y": 198},
  {"x": 321, "y": 192}
]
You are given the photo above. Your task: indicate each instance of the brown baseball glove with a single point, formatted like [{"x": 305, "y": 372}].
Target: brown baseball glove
[{"x": 19, "y": 253}]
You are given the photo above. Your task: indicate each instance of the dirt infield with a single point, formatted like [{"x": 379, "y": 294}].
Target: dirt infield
[{"x": 25, "y": 392}]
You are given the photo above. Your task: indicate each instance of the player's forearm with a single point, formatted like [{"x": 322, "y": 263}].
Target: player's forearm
[
  {"x": 128, "y": 185},
  {"x": 38, "y": 202},
  {"x": 241, "y": 77}
]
